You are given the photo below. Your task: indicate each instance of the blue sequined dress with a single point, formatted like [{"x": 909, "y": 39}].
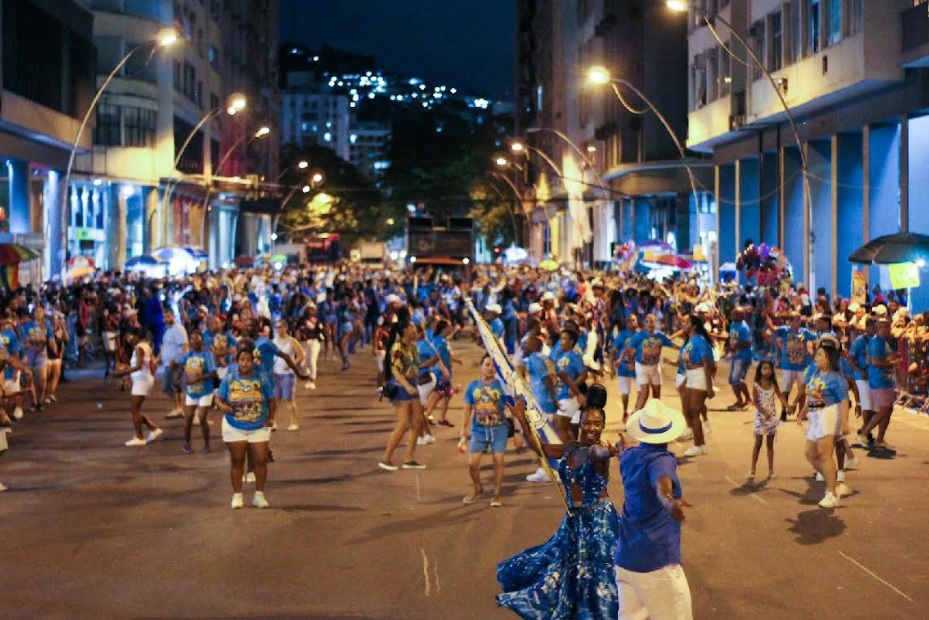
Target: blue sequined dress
[{"x": 571, "y": 576}]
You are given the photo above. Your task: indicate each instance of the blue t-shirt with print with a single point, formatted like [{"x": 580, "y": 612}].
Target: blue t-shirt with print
[
  {"x": 649, "y": 537},
  {"x": 248, "y": 397},
  {"x": 36, "y": 335},
  {"x": 10, "y": 341},
  {"x": 879, "y": 378},
  {"x": 487, "y": 400},
  {"x": 222, "y": 340},
  {"x": 648, "y": 347},
  {"x": 197, "y": 363},
  {"x": 572, "y": 364},
  {"x": 859, "y": 352},
  {"x": 265, "y": 352},
  {"x": 825, "y": 388},
  {"x": 623, "y": 340},
  {"x": 738, "y": 335},
  {"x": 441, "y": 348},
  {"x": 496, "y": 328},
  {"x": 695, "y": 351},
  {"x": 539, "y": 367},
  {"x": 794, "y": 352}
]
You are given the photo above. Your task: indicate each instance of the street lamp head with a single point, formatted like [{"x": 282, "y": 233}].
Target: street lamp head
[
  {"x": 502, "y": 162},
  {"x": 262, "y": 132},
  {"x": 236, "y": 102},
  {"x": 306, "y": 189},
  {"x": 517, "y": 147},
  {"x": 317, "y": 178},
  {"x": 167, "y": 37},
  {"x": 598, "y": 75},
  {"x": 677, "y": 5},
  {"x": 591, "y": 148},
  {"x": 303, "y": 165}
]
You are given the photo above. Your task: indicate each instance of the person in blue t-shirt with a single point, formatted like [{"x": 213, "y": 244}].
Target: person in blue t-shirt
[
  {"x": 881, "y": 364},
  {"x": 625, "y": 365},
  {"x": 485, "y": 426},
  {"x": 572, "y": 375},
  {"x": 497, "y": 328},
  {"x": 858, "y": 359},
  {"x": 826, "y": 406},
  {"x": 542, "y": 384},
  {"x": 199, "y": 372},
  {"x": 697, "y": 359},
  {"x": 646, "y": 346},
  {"x": 443, "y": 391},
  {"x": 12, "y": 388},
  {"x": 246, "y": 397},
  {"x": 650, "y": 580},
  {"x": 266, "y": 350},
  {"x": 793, "y": 343},
  {"x": 739, "y": 348}
]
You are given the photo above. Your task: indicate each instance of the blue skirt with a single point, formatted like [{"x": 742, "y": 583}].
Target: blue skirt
[{"x": 569, "y": 577}]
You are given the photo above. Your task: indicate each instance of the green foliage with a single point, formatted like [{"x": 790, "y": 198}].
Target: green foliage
[{"x": 494, "y": 213}]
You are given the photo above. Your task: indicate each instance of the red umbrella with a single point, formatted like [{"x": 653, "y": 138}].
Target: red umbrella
[{"x": 673, "y": 261}]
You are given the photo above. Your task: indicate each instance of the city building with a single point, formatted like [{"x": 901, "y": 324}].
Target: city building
[
  {"x": 47, "y": 87},
  {"x": 169, "y": 165},
  {"x": 817, "y": 133},
  {"x": 369, "y": 142},
  {"x": 309, "y": 116},
  {"x": 615, "y": 173}
]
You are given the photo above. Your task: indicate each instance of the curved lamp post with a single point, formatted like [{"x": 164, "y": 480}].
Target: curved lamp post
[
  {"x": 263, "y": 131},
  {"x": 165, "y": 37},
  {"x": 314, "y": 180}
]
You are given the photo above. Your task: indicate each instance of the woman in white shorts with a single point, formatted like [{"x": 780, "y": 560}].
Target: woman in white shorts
[
  {"x": 140, "y": 373},
  {"x": 284, "y": 377},
  {"x": 697, "y": 358}
]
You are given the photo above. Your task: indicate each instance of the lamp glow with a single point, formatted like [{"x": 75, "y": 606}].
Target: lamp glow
[
  {"x": 501, "y": 161},
  {"x": 677, "y": 5},
  {"x": 303, "y": 165},
  {"x": 262, "y": 132},
  {"x": 517, "y": 147},
  {"x": 598, "y": 75}
]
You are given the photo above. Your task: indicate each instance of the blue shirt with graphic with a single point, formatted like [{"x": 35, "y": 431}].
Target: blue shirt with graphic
[
  {"x": 539, "y": 367},
  {"x": 572, "y": 364},
  {"x": 195, "y": 363},
  {"x": 625, "y": 368},
  {"x": 487, "y": 400},
  {"x": 10, "y": 341},
  {"x": 648, "y": 347},
  {"x": 222, "y": 340},
  {"x": 248, "y": 397},
  {"x": 879, "y": 378},
  {"x": 794, "y": 352},
  {"x": 859, "y": 353},
  {"x": 825, "y": 388},
  {"x": 739, "y": 334},
  {"x": 696, "y": 351},
  {"x": 265, "y": 352}
]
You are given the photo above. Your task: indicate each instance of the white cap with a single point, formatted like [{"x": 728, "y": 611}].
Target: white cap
[
  {"x": 548, "y": 296},
  {"x": 535, "y": 308},
  {"x": 880, "y": 310},
  {"x": 702, "y": 307},
  {"x": 494, "y": 308},
  {"x": 394, "y": 299},
  {"x": 853, "y": 307}
]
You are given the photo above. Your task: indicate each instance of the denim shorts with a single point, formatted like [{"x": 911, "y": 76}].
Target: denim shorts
[
  {"x": 493, "y": 437},
  {"x": 284, "y": 386},
  {"x": 737, "y": 371}
]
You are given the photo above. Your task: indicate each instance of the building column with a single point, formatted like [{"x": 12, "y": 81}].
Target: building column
[
  {"x": 850, "y": 212},
  {"x": 883, "y": 185},
  {"x": 116, "y": 222},
  {"x": 749, "y": 209},
  {"x": 769, "y": 203},
  {"x": 918, "y": 199},
  {"x": 819, "y": 160},
  {"x": 151, "y": 226},
  {"x": 726, "y": 211},
  {"x": 682, "y": 221},
  {"x": 794, "y": 246},
  {"x": 55, "y": 192},
  {"x": 20, "y": 214}
]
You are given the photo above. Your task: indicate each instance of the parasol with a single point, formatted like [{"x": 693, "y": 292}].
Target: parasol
[
  {"x": 143, "y": 262},
  {"x": 671, "y": 260},
  {"x": 81, "y": 261},
  {"x": 14, "y": 253},
  {"x": 77, "y": 273},
  {"x": 549, "y": 265},
  {"x": 898, "y": 248}
]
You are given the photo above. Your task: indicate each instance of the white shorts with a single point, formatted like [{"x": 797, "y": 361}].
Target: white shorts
[
  {"x": 864, "y": 395},
  {"x": 645, "y": 375},
  {"x": 426, "y": 390},
  {"x": 232, "y": 434},
  {"x": 570, "y": 408},
  {"x": 221, "y": 372},
  {"x": 696, "y": 378},
  {"x": 380, "y": 356},
  {"x": 824, "y": 422},
  {"x": 203, "y": 401},
  {"x": 142, "y": 387},
  {"x": 625, "y": 385},
  {"x": 680, "y": 380},
  {"x": 663, "y": 594},
  {"x": 789, "y": 377}
]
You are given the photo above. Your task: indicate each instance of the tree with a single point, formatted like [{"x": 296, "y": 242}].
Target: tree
[{"x": 496, "y": 215}]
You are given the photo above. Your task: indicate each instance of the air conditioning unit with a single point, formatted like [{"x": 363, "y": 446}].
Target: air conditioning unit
[{"x": 736, "y": 121}]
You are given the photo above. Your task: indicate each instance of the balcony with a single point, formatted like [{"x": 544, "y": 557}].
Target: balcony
[{"x": 915, "y": 36}]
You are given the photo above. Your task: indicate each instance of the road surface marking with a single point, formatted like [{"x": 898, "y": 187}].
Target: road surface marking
[
  {"x": 883, "y": 581},
  {"x": 419, "y": 490},
  {"x": 425, "y": 569},
  {"x": 737, "y": 485}
]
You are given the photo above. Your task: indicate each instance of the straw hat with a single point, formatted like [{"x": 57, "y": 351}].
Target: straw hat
[{"x": 656, "y": 423}]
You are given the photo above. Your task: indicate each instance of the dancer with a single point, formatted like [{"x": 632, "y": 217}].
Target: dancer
[
  {"x": 403, "y": 395},
  {"x": 199, "y": 372},
  {"x": 569, "y": 576},
  {"x": 697, "y": 358},
  {"x": 486, "y": 428},
  {"x": 766, "y": 393},
  {"x": 284, "y": 379},
  {"x": 141, "y": 372}
]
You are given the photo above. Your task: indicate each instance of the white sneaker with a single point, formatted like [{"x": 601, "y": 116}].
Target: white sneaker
[
  {"x": 840, "y": 476},
  {"x": 259, "y": 500},
  {"x": 2, "y": 488},
  {"x": 687, "y": 436},
  {"x": 862, "y": 441},
  {"x": 48, "y": 400},
  {"x": 153, "y": 435},
  {"x": 842, "y": 490},
  {"x": 174, "y": 413},
  {"x": 310, "y": 385},
  {"x": 237, "y": 501},
  {"x": 54, "y": 398},
  {"x": 538, "y": 476},
  {"x": 854, "y": 463},
  {"x": 293, "y": 427},
  {"x": 425, "y": 440},
  {"x": 135, "y": 441},
  {"x": 18, "y": 413},
  {"x": 707, "y": 429},
  {"x": 819, "y": 477},
  {"x": 829, "y": 501},
  {"x": 249, "y": 477},
  {"x": 696, "y": 451}
]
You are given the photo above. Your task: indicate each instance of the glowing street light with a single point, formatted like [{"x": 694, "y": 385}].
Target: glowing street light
[
  {"x": 502, "y": 162},
  {"x": 303, "y": 165},
  {"x": 262, "y": 132},
  {"x": 306, "y": 189},
  {"x": 677, "y": 5},
  {"x": 598, "y": 75},
  {"x": 517, "y": 147},
  {"x": 317, "y": 178}
]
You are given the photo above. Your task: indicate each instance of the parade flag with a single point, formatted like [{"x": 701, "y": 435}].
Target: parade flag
[{"x": 541, "y": 429}]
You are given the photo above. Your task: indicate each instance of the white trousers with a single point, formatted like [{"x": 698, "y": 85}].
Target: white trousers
[
  {"x": 311, "y": 354},
  {"x": 662, "y": 594}
]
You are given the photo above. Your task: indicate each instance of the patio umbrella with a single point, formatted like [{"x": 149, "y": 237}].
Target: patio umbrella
[
  {"x": 76, "y": 273},
  {"x": 143, "y": 262},
  {"x": 80, "y": 261},
  {"x": 549, "y": 265},
  {"x": 14, "y": 253},
  {"x": 197, "y": 253},
  {"x": 899, "y": 248},
  {"x": 671, "y": 260},
  {"x": 656, "y": 245}
]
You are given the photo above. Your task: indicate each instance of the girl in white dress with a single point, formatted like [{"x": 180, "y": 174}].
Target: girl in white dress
[{"x": 766, "y": 394}]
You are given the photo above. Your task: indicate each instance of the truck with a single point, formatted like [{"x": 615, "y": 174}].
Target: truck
[{"x": 371, "y": 253}]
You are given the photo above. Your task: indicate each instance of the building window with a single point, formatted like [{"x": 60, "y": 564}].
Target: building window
[
  {"x": 812, "y": 29},
  {"x": 698, "y": 74},
  {"x": 776, "y": 48},
  {"x": 712, "y": 78},
  {"x": 725, "y": 72},
  {"x": 106, "y": 132},
  {"x": 794, "y": 40},
  {"x": 756, "y": 38},
  {"x": 139, "y": 127},
  {"x": 833, "y": 21},
  {"x": 178, "y": 80},
  {"x": 854, "y": 17}
]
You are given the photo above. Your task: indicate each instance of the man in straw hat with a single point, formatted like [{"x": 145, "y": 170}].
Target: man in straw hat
[{"x": 649, "y": 577}]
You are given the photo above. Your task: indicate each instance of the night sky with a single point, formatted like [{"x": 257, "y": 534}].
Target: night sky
[{"x": 468, "y": 44}]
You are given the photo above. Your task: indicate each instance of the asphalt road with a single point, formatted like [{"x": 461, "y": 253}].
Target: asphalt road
[{"x": 93, "y": 529}]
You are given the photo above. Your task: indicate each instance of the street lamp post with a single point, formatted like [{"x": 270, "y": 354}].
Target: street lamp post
[
  {"x": 164, "y": 38},
  {"x": 315, "y": 180},
  {"x": 262, "y": 132}
]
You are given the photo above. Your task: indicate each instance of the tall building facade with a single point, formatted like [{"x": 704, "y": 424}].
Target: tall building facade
[
  {"x": 47, "y": 86},
  {"x": 169, "y": 165},
  {"x": 618, "y": 173},
  {"x": 818, "y": 137}
]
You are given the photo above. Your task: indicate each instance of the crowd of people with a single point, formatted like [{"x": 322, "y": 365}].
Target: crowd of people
[{"x": 237, "y": 343}]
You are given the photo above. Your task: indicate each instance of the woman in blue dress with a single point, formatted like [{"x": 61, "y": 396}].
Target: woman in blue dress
[{"x": 570, "y": 576}]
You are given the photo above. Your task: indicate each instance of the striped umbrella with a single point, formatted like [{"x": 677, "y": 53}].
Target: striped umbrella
[{"x": 14, "y": 253}]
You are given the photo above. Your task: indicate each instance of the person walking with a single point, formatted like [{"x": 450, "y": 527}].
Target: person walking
[
  {"x": 199, "y": 371},
  {"x": 766, "y": 394},
  {"x": 697, "y": 360},
  {"x": 173, "y": 347},
  {"x": 485, "y": 428},
  {"x": 401, "y": 390},
  {"x": 284, "y": 378},
  {"x": 141, "y": 374},
  {"x": 650, "y": 582}
]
